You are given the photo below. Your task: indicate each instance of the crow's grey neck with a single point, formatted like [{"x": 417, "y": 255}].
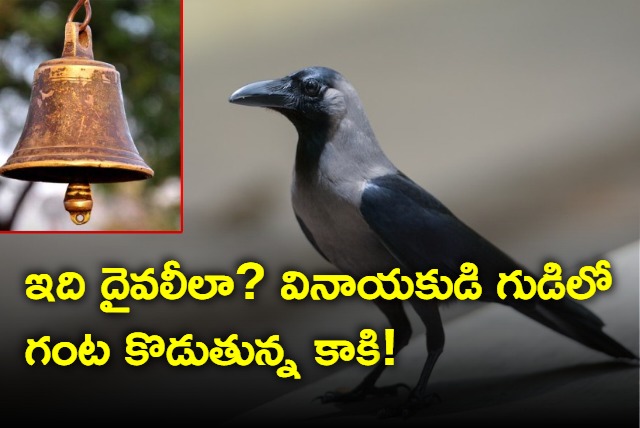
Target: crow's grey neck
[
  {"x": 312, "y": 138},
  {"x": 344, "y": 152}
]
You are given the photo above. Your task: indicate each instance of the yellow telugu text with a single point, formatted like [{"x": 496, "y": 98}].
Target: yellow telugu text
[
  {"x": 329, "y": 352},
  {"x": 183, "y": 351},
  {"x": 120, "y": 284},
  {"x": 66, "y": 353},
  {"x": 430, "y": 285}
]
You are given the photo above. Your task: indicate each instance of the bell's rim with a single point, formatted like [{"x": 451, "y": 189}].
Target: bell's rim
[{"x": 68, "y": 171}]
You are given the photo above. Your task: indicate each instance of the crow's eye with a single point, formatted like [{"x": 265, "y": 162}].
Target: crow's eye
[{"x": 311, "y": 87}]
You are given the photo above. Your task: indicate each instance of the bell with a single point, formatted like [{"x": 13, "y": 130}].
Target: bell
[{"x": 76, "y": 130}]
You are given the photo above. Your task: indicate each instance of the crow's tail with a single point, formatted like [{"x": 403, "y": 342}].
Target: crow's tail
[{"x": 573, "y": 320}]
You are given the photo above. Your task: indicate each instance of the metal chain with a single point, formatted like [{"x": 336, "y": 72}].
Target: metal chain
[{"x": 87, "y": 13}]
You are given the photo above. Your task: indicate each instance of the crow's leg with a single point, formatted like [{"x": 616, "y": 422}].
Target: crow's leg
[
  {"x": 397, "y": 317},
  {"x": 430, "y": 315}
]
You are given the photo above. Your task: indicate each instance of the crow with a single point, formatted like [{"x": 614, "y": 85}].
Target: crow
[{"x": 365, "y": 216}]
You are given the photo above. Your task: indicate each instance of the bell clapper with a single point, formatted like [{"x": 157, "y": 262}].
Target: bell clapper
[{"x": 78, "y": 202}]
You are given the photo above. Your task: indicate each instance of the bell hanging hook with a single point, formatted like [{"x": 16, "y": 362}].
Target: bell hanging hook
[{"x": 87, "y": 13}]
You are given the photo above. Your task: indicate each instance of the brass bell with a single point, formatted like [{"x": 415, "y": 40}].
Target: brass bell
[{"x": 76, "y": 130}]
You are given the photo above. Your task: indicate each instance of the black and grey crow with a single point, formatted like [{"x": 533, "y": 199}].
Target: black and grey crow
[{"x": 365, "y": 217}]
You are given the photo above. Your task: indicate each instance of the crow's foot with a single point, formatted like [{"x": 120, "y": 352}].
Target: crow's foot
[
  {"x": 409, "y": 407},
  {"x": 360, "y": 393}
]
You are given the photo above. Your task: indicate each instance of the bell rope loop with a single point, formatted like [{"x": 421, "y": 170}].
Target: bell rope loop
[
  {"x": 77, "y": 37},
  {"x": 87, "y": 13}
]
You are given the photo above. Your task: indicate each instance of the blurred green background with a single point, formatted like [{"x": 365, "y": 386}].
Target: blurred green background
[{"x": 142, "y": 40}]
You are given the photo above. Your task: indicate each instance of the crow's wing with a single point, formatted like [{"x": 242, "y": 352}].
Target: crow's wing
[{"x": 422, "y": 233}]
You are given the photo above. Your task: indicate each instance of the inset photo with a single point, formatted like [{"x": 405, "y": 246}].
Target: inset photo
[{"x": 90, "y": 116}]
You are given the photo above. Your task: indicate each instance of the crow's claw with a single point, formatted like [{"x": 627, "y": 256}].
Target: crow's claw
[
  {"x": 360, "y": 393},
  {"x": 408, "y": 408}
]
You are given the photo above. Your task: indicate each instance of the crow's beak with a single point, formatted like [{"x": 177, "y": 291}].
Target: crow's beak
[{"x": 268, "y": 93}]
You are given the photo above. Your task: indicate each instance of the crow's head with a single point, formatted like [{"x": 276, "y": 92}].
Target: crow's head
[{"x": 310, "y": 97}]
